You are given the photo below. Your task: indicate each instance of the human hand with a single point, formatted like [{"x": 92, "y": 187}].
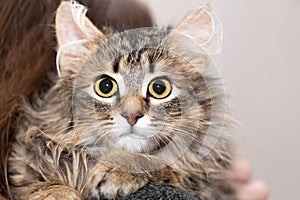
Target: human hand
[{"x": 249, "y": 189}]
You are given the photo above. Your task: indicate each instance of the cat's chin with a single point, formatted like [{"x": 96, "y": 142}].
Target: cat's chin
[{"x": 133, "y": 144}]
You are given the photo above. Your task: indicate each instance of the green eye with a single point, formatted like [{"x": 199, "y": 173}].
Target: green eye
[
  {"x": 160, "y": 88},
  {"x": 106, "y": 87}
]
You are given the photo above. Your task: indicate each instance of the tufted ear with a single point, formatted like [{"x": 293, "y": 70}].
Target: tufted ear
[
  {"x": 72, "y": 25},
  {"x": 73, "y": 31},
  {"x": 204, "y": 27}
]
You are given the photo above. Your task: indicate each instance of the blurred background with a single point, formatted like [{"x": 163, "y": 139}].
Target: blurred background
[{"x": 260, "y": 64}]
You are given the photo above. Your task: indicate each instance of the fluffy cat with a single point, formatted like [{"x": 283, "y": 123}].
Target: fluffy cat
[{"x": 127, "y": 110}]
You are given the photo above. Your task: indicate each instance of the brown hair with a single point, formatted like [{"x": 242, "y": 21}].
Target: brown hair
[{"x": 27, "y": 53}]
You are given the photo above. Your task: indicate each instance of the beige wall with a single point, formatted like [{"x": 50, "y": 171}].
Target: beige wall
[{"x": 260, "y": 63}]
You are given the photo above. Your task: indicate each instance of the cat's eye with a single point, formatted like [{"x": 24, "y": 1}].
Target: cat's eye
[
  {"x": 106, "y": 87},
  {"x": 160, "y": 88}
]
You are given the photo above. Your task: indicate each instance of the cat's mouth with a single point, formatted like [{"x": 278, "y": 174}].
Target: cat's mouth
[
  {"x": 136, "y": 142},
  {"x": 132, "y": 143},
  {"x": 142, "y": 137},
  {"x": 132, "y": 132}
]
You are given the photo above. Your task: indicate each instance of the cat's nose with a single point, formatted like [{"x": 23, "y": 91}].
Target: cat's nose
[{"x": 132, "y": 117}]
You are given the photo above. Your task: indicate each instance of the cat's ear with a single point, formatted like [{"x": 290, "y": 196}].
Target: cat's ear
[
  {"x": 204, "y": 27},
  {"x": 73, "y": 28}
]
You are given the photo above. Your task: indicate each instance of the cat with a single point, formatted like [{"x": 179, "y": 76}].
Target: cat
[{"x": 128, "y": 109}]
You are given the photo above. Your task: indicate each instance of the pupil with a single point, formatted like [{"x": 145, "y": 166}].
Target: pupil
[
  {"x": 106, "y": 86},
  {"x": 159, "y": 87}
]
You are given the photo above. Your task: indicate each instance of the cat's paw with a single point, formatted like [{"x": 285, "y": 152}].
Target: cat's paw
[{"x": 120, "y": 184}]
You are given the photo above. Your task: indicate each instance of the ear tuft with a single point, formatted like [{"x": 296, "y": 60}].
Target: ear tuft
[
  {"x": 72, "y": 25},
  {"x": 204, "y": 27},
  {"x": 74, "y": 31}
]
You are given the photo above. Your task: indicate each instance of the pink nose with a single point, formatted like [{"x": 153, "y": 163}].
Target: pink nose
[{"x": 132, "y": 117}]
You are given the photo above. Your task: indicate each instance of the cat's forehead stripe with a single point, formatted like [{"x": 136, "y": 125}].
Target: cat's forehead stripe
[
  {"x": 135, "y": 57},
  {"x": 116, "y": 64},
  {"x": 131, "y": 58},
  {"x": 151, "y": 67}
]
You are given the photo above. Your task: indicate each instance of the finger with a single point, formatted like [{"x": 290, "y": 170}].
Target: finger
[
  {"x": 254, "y": 191},
  {"x": 241, "y": 171}
]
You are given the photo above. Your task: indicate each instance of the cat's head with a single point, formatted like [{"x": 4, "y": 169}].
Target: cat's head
[{"x": 140, "y": 90}]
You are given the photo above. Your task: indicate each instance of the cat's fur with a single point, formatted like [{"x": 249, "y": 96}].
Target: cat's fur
[
  {"x": 59, "y": 154},
  {"x": 27, "y": 54}
]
